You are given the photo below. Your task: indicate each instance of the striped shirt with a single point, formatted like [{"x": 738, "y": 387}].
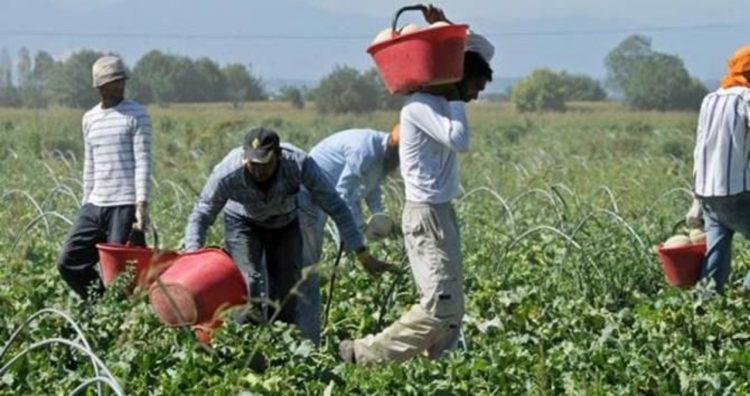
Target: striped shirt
[
  {"x": 231, "y": 188},
  {"x": 433, "y": 132},
  {"x": 722, "y": 148},
  {"x": 117, "y": 160}
]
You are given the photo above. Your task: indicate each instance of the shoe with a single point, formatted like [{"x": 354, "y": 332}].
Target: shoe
[{"x": 346, "y": 351}]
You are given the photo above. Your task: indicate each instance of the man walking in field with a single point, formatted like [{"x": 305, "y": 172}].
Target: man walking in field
[
  {"x": 257, "y": 185},
  {"x": 721, "y": 169},
  {"x": 356, "y": 162},
  {"x": 116, "y": 178},
  {"x": 434, "y": 129}
]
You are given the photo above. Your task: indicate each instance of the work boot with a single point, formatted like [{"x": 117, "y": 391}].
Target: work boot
[{"x": 346, "y": 351}]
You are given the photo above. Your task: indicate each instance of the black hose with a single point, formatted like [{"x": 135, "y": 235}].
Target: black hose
[{"x": 333, "y": 282}]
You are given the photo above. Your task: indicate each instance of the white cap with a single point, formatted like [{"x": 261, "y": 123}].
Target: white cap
[
  {"x": 107, "y": 69},
  {"x": 479, "y": 44}
]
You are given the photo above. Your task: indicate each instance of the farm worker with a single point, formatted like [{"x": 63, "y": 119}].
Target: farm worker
[
  {"x": 434, "y": 130},
  {"x": 721, "y": 169},
  {"x": 356, "y": 162},
  {"x": 116, "y": 179},
  {"x": 256, "y": 185}
]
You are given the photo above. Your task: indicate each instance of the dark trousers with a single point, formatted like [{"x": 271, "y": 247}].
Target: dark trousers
[
  {"x": 248, "y": 244},
  {"x": 79, "y": 256}
]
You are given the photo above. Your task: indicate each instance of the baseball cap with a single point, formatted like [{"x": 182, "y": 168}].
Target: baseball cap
[
  {"x": 107, "y": 69},
  {"x": 260, "y": 145}
]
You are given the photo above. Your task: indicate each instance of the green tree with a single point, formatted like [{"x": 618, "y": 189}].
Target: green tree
[
  {"x": 651, "y": 80},
  {"x": 386, "y": 101},
  {"x": 346, "y": 90},
  {"x": 579, "y": 87},
  {"x": 542, "y": 90},
  {"x": 242, "y": 85},
  {"x": 70, "y": 82},
  {"x": 24, "y": 66},
  {"x": 210, "y": 84},
  {"x": 293, "y": 95},
  {"x": 43, "y": 66},
  {"x": 164, "y": 78}
]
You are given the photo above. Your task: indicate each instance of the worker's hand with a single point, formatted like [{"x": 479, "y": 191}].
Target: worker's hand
[
  {"x": 142, "y": 219},
  {"x": 373, "y": 266},
  {"x": 694, "y": 216},
  {"x": 434, "y": 14}
]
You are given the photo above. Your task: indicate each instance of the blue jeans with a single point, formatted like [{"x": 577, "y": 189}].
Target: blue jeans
[
  {"x": 723, "y": 216},
  {"x": 312, "y": 222}
]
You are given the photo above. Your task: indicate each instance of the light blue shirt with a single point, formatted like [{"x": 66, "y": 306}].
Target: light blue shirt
[
  {"x": 433, "y": 132},
  {"x": 353, "y": 161}
]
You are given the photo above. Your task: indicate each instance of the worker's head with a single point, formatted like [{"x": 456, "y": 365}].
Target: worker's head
[
  {"x": 108, "y": 76},
  {"x": 390, "y": 157},
  {"x": 477, "y": 73},
  {"x": 738, "y": 69},
  {"x": 262, "y": 150}
]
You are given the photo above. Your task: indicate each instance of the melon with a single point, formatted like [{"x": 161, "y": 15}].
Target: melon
[
  {"x": 385, "y": 34},
  {"x": 677, "y": 241},
  {"x": 379, "y": 226},
  {"x": 410, "y": 28},
  {"x": 697, "y": 236}
]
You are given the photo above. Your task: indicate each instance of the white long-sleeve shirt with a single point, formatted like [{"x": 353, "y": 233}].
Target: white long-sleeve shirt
[
  {"x": 722, "y": 147},
  {"x": 117, "y": 158},
  {"x": 433, "y": 132}
]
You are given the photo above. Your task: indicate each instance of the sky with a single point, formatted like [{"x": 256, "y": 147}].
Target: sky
[{"x": 302, "y": 40}]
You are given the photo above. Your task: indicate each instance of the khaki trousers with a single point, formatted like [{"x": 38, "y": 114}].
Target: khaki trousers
[{"x": 431, "y": 327}]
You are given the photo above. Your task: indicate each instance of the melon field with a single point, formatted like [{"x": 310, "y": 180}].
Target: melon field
[{"x": 559, "y": 216}]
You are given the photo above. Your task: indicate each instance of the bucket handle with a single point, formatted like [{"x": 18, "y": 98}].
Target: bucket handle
[
  {"x": 154, "y": 232},
  {"x": 416, "y": 7}
]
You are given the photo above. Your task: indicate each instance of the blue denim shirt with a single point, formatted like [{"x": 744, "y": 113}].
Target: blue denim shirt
[
  {"x": 231, "y": 188},
  {"x": 353, "y": 161}
]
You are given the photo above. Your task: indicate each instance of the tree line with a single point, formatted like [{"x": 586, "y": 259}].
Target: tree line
[
  {"x": 41, "y": 81},
  {"x": 646, "y": 79}
]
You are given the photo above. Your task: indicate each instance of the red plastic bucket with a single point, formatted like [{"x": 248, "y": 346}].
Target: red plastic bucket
[
  {"x": 149, "y": 263},
  {"x": 200, "y": 286},
  {"x": 430, "y": 56},
  {"x": 682, "y": 265}
]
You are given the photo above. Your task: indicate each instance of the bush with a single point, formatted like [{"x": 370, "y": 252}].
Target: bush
[{"x": 543, "y": 90}]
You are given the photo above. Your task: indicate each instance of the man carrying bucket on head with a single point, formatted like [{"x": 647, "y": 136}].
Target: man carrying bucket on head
[
  {"x": 116, "y": 178},
  {"x": 721, "y": 169},
  {"x": 356, "y": 161},
  {"x": 257, "y": 185},
  {"x": 434, "y": 130}
]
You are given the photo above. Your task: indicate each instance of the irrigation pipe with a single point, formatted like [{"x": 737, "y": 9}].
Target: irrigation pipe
[
  {"x": 617, "y": 218},
  {"x": 96, "y": 380},
  {"x": 33, "y": 202},
  {"x": 51, "y": 341},
  {"x": 497, "y": 196},
  {"x": 30, "y": 225},
  {"x": 52, "y": 311}
]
